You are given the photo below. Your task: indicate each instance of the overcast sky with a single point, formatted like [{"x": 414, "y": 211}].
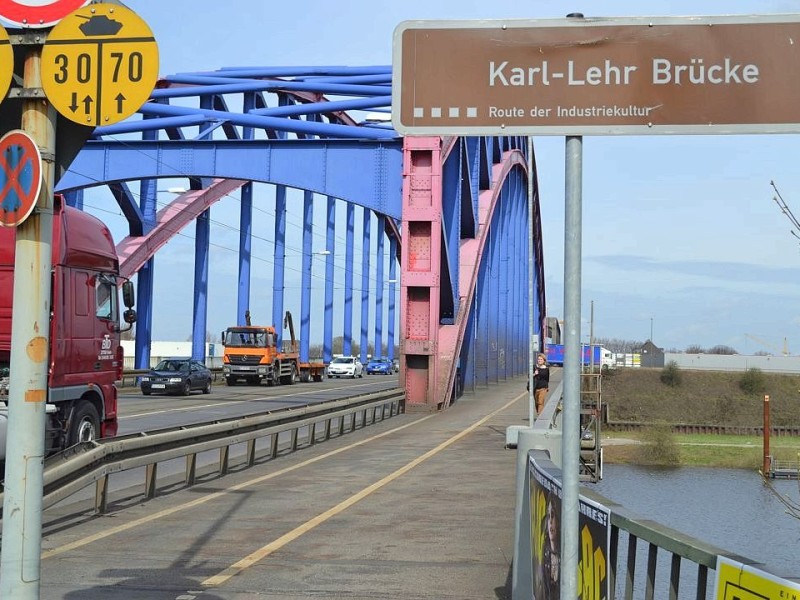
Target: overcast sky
[{"x": 680, "y": 233}]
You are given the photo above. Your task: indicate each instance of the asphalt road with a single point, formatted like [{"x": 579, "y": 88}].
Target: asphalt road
[
  {"x": 419, "y": 506},
  {"x": 140, "y": 413}
]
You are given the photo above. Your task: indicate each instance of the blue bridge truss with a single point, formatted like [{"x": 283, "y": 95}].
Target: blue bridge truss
[{"x": 449, "y": 216}]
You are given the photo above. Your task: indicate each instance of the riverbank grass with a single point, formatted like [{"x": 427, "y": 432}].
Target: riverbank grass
[{"x": 658, "y": 446}]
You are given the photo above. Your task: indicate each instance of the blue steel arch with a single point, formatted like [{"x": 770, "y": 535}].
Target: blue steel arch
[
  {"x": 324, "y": 130},
  {"x": 366, "y": 173}
]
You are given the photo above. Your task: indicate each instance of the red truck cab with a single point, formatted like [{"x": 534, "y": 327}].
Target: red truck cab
[{"x": 85, "y": 355}]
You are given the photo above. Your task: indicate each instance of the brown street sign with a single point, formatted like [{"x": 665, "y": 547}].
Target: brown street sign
[{"x": 634, "y": 76}]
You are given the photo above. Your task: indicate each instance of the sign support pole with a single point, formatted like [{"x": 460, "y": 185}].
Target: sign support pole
[
  {"x": 532, "y": 346},
  {"x": 20, "y": 562},
  {"x": 570, "y": 441}
]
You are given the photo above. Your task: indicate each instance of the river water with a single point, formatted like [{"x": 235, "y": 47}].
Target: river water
[{"x": 729, "y": 508}]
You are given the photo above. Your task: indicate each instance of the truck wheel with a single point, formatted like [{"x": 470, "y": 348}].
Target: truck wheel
[
  {"x": 84, "y": 425},
  {"x": 305, "y": 376},
  {"x": 229, "y": 381},
  {"x": 290, "y": 378}
]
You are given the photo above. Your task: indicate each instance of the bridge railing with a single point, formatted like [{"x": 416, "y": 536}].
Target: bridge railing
[
  {"x": 650, "y": 560},
  {"x": 646, "y": 559}
]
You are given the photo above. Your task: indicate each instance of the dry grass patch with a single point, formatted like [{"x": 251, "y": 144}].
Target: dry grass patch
[{"x": 704, "y": 397}]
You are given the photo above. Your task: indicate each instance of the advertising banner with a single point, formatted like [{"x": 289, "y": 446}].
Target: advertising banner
[{"x": 594, "y": 538}]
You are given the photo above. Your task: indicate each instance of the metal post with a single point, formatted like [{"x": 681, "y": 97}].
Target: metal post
[
  {"x": 531, "y": 328},
  {"x": 22, "y": 505},
  {"x": 591, "y": 337},
  {"x": 570, "y": 442},
  {"x": 767, "y": 459}
]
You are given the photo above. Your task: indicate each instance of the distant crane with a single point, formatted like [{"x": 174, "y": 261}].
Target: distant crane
[{"x": 783, "y": 352}]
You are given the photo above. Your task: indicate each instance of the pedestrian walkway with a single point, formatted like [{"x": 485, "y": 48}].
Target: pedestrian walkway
[{"x": 420, "y": 506}]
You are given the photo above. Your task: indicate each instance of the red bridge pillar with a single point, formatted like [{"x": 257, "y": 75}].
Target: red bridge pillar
[{"x": 421, "y": 259}]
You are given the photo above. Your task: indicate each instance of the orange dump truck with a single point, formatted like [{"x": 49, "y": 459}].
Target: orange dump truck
[{"x": 251, "y": 356}]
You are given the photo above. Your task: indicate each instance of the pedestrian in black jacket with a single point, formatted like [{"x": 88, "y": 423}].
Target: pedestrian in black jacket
[{"x": 541, "y": 382}]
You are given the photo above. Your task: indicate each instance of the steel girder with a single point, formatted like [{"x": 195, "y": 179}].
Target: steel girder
[
  {"x": 295, "y": 129},
  {"x": 366, "y": 173},
  {"x": 461, "y": 250}
]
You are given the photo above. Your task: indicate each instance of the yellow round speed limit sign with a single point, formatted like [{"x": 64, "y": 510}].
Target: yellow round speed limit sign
[
  {"x": 6, "y": 62},
  {"x": 99, "y": 64}
]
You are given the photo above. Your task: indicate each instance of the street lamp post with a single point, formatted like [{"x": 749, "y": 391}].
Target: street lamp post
[
  {"x": 392, "y": 308},
  {"x": 327, "y": 330},
  {"x": 305, "y": 302}
]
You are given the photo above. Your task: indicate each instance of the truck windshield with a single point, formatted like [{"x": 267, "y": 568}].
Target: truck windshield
[{"x": 237, "y": 338}]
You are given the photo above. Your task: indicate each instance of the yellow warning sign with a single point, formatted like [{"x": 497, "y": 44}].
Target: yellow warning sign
[
  {"x": 6, "y": 63},
  {"x": 736, "y": 581},
  {"x": 99, "y": 64}
]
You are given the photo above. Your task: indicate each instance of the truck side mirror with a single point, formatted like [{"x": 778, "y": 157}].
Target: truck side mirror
[
  {"x": 127, "y": 297},
  {"x": 129, "y": 316}
]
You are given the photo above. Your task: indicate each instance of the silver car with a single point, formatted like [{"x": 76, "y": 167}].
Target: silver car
[{"x": 346, "y": 366}]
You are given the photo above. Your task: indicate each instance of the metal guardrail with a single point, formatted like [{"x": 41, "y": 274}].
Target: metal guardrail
[
  {"x": 695, "y": 428},
  {"x": 90, "y": 463}
]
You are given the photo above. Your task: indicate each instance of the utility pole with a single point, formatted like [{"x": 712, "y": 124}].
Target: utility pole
[
  {"x": 50, "y": 82},
  {"x": 591, "y": 336},
  {"x": 22, "y": 504}
]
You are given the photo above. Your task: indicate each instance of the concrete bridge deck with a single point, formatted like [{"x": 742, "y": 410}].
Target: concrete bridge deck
[{"x": 420, "y": 506}]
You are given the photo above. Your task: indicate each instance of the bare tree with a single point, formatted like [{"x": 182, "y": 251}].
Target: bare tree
[
  {"x": 618, "y": 345},
  {"x": 722, "y": 349}
]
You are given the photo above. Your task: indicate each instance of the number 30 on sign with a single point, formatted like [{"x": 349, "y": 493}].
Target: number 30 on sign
[{"x": 99, "y": 64}]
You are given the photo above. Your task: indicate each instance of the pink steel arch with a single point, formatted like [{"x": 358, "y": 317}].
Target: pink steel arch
[
  {"x": 430, "y": 349},
  {"x": 134, "y": 251}
]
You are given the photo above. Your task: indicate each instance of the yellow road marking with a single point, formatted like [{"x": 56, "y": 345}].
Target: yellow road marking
[
  {"x": 170, "y": 511},
  {"x": 295, "y": 533}
]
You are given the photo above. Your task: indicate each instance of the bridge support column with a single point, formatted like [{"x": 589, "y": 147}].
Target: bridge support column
[
  {"x": 430, "y": 348},
  {"x": 421, "y": 259}
]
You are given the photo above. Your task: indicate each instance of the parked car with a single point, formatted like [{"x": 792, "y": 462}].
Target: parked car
[
  {"x": 379, "y": 366},
  {"x": 177, "y": 376},
  {"x": 346, "y": 366}
]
